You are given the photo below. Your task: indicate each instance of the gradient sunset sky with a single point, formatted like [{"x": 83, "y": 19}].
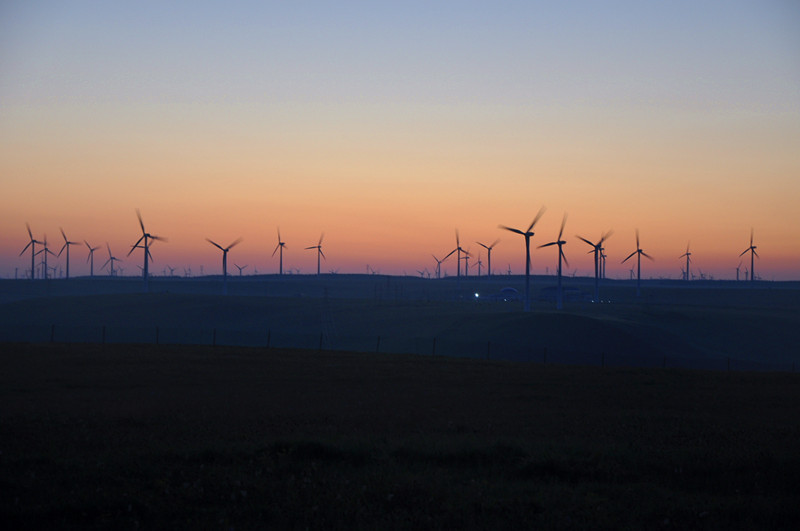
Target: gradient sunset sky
[{"x": 389, "y": 125}]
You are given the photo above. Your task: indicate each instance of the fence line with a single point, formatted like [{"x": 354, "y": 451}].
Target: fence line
[{"x": 378, "y": 344}]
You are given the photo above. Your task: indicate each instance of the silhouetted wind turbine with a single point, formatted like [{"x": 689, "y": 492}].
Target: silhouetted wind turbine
[
  {"x": 489, "y": 254},
  {"x": 90, "y": 258},
  {"x": 479, "y": 264},
  {"x": 32, "y": 244},
  {"x": 240, "y": 268},
  {"x": 66, "y": 245},
  {"x": 144, "y": 240},
  {"x": 280, "y": 246},
  {"x": 111, "y": 260},
  {"x": 439, "y": 265},
  {"x": 527, "y": 235},
  {"x": 751, "y": 250},
  {"x": 458, "y": 250},
  {"x": 639, "y": 252},
  {"x": 688, "y": 255},
  {"x": 44, "y": 252},
  {"x": 597, "y": 249},
  {"x": 466, "y": 263},
  {"x": 224, "y": 260},
  {"x": 318, "y": 247},
  {"x": 737, "y": 270},
  {"x": 561, "y": 255}
]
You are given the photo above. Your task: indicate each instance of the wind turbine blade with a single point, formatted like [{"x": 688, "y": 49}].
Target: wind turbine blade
[
  {"x": 62, "y": 233},
  {"x": 25, "y": 248},
  {"x": 312, "y": 247},
  {"x": 647, "y": 256},
  {"x": 458, "y": 240},
  {"x": 547, "y": 245},
  {"x": 482, "y": 245},
  {"x": 106, "y": 263},
  {"x": 159, "y": 238},
  {"x": 605, "y": 236},
  {"x": 279, "y": 234},
  {"x": 629, "y": 257},
  {"x": 276, "y": 249},
  {"x": 62, "y": 249},
  {"x": 563, "y": 222},
  {"x": 584, "y": 239},
  {"x": 511, "y": 229},
  {"x": 320, "y": 238},
  {"x": 494, "y": 243},
  {"x": 564, "y": 257},
  {"x": 536, "y": 219},
  {"x": 237, "y": 242},
  {"x": 743, "y": 252},
  {"x": 215, "y": 244},
  {"x": 322, "y": 254},
  {"x": 109, "y": 249},
  {"x": 751, "y": 236},
  {"x": 29, "y": 231},
  {"x": 139, "y": 217},
  {"x": 755, "y": 253},
  {"x": 134, "y": 246},
  {"x": 637, "y": 238},
  {"x": 448, "y": 254}
]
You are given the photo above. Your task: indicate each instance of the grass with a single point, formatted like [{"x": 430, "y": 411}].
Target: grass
[{"x": 187, "y": 437}]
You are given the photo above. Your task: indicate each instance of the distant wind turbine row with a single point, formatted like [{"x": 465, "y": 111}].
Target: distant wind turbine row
[{"x": 146, "y": 240}]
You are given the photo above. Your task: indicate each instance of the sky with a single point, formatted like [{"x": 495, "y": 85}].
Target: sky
[{"x": 387, "y": 126}]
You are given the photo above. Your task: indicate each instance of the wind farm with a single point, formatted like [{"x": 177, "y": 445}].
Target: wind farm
[{"x": 540, "y": 376}]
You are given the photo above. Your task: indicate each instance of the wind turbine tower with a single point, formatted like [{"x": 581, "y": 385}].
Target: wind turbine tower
[
  {"x": 280, "y": 246},
  {"x": 751, "y": 250},
  {"x": 144, "y": 243},
  {"x": 32, "y": 244},
  {"x": 688, "y": 255},
  {"x": 44, "y": 252},
  {"x": 527, "y": 235},
  {"x": 639, "y": 252},
  {"x": 90, "y": 258},
  {"x": 66, "y": 245},
  {"x": 224, "y": 261},
  {"x": 599, "y": 261},
  {"x": 320, "y": 254},
  {"x": 111, "y": 260},
  {"x": 489, "y": 256},
  {"x": 561, "y": 255}
]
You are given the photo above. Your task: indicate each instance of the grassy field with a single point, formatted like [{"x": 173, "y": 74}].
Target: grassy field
[{"x": 186, "y": 437}]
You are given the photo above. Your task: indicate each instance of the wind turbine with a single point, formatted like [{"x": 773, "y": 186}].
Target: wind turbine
[
  {"x": 466, "y": 263},
  {"x": 489, "y": 256},
  {"x": 751, "y": 250},
  {"x": 144, "y": 240},
  {"x": 32, "y": 244},
  {"x": 66, "y": 245},
  {"x": 44, "y": 252},
  {"x": 597, "y": 249},
  {"x": 281, "y": 245},
  {"x": 527, "y": 235},
  {"x": 318, "y": 247},
  {"x": 561, "y": 255},
  {"x": 458, "y": 250},
  {"x": 240, "y": 268},
  {"x": 479, "y": 264},
  {"x": 688, "y": 255},
  {"x": 439, "y": 265},
  {"x": 737, "y": 270},
  {"x": 111, "y": 260},
  {"x": 90, "y": 258},
  {"x": 224, "y": 260},
  {"x": 639, "y": 252}
]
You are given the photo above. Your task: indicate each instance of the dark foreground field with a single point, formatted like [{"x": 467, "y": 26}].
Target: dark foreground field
[{"x": 187, "y": 437}]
